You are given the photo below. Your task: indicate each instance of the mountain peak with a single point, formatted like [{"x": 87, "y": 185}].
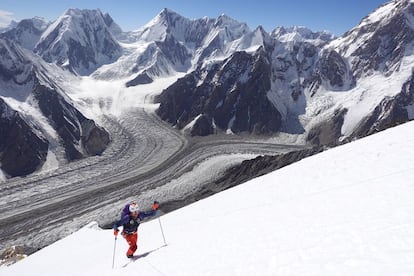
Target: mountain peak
[
  {"x": 40, "y": 23},
  {"x": 225, "y": 17},
  {"x": 391, "y": 23},
  {"x": 69, "y": 39},
  {"x": 260, "y": 29},
  {"x": 225, "y": 20},
  {"x": 157, "y": 28},
  {"x": 384, "y": 13},
  {"x": 300, "y": 33},
  {"x": 76, "y": 11},
  {"x": 168, "y": 12},
  {"x": 167, "y": 16},
  {"x": 264, "y": 36},
  {"x": 27, "y": 32}
]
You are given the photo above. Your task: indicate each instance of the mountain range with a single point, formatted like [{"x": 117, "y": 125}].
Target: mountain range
[{"x": 318, "y": 88}]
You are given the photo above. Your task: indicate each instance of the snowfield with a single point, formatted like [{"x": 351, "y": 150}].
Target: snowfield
[{"x": 346, "y": 211}]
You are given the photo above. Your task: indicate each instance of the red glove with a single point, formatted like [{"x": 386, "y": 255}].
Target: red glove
[
  {"x": 155, "y": 205},
  {"x": 116, "y": 231}
]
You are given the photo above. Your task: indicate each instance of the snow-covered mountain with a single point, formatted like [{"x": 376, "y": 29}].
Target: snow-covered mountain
[
  {"x": 353, "y": 217},
  {"x": 326, "y": 89},
  {"x": 231, "y": 94},
  {"x": 311, "y": 85},
  {"x": 36, "y": 115},
  {"x": 171, "y": 43},
  {"x": 80, "y": 40},
  {"x": 27, "y": 32},
  {"x": 296, "y": 34},
  {"x": 375, "y": 59}
]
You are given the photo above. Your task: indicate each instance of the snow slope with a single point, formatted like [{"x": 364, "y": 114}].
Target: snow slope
[{"x": 346, "y": 211}]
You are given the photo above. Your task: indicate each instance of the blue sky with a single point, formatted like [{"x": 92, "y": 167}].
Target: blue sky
[{"x": 336, "y": 16}]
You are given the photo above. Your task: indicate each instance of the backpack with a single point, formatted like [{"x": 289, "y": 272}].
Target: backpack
[{"x": 125, "y": 211}]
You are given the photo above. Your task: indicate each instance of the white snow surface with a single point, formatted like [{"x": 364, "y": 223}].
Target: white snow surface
[
  {"x": 346, "y": 211},
  {"x": 381, "y": 13},
  {"x": 96, "y": 97}
]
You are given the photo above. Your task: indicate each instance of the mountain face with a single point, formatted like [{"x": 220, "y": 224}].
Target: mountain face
[
  {"x": 23, "y": 143},
  {"x": 301, "y": 34},
  {"x": 258, "y": 89},
  {"x": 23, "y": 149},
  {"x": 381, "y": 45},
  {"x": 322, "y": 87},
  {"x": 381, "y": 40},
  {"x": 172, "y": 43},
  {"x": 230, "y": 96},
  {"x": 80, "y": 136},
  {"x": 391, "y": 111},
  {"x": 80, "y": 41}
]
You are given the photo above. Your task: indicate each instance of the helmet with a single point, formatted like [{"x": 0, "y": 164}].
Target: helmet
[{"x": 133, "y": 207}]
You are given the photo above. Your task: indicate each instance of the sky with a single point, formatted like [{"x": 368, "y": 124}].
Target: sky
[
  {"x": 337, "y": 16},
  {"x": 353, "y": 217}
]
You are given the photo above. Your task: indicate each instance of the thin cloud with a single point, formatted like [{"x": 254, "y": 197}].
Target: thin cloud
[{"x": 5, "y": 18}]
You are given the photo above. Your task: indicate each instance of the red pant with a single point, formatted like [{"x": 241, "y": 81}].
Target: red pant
[{"x": 132, "y": 240}]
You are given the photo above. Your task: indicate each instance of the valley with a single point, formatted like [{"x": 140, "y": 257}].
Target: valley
[{"x": 145, "y": 154}]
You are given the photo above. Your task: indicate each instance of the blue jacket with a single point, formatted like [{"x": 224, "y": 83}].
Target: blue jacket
[{"x": 130, "y": 224}]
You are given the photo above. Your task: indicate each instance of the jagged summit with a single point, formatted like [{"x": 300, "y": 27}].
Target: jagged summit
[
  {"x": 225, "y": 20},
  {"x": 301, "y": 34},
  {"x": 40, "y": 23},
  {"x": 174, "y": 43},
  {"x": 260, "y": 31},
  {"x": 27, "y": 32},
  {"x": 80, "y": 41},
  {"x": 399, "y": 14},
  {"x": 384, "y": 13},
  {"x": 381, "y": 40},
  {"x": 167, "y": 13},
  {"x": 168, "y": 18},
  {"x": 185, "y": 29},
  {"x": 253, "y": 40},
  {"x": 157, "y": 28},
  {"x": 304, "y": 68}
]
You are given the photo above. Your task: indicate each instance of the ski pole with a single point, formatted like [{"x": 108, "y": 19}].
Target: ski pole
[
  {"x": 162, "y": 231},
  {"x": 113, "y": 258}
]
